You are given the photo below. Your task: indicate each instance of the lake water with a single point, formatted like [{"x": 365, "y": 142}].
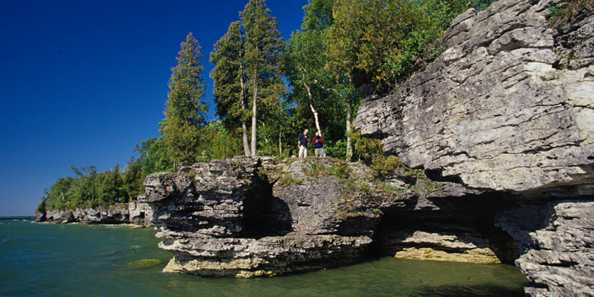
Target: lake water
[{"x": 103, "y": 261}]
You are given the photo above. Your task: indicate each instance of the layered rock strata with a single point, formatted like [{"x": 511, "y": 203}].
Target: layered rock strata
[
  {"x": 508, "y": 110},
  {"x": 557, "y": 242},
  {"x": 135, "y": 212},
  {"x": 509, "y": 105},
  {"x": 248, "y": 218}
]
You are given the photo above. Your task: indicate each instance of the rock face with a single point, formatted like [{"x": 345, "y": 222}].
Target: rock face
[
  {"x": 135, "y": 212},
  {"x": 247, "y": 218},
  {"x": 115, "y": 214},
  {"x": 557, "y": 241},
  {"x": 509, "y": 106},
  {"x": 506, "y": 111},
  {"x": 452, "y": 246}
]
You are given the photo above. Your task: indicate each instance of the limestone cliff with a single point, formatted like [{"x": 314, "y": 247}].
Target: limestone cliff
[
  {"x": 135, "y": 212},
  {"x": 507, "y": 111},
  {"x": 509, "y": 106},
  {"x": 246, "y": 217}
]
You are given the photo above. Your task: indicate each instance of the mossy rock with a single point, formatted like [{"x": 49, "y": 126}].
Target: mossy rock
[{"x": 144, "y": 263}]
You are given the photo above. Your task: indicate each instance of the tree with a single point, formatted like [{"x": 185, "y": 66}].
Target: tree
[
  {"x": 307, "y": 57},
  {"x": 263, "y": 49},
  {"x": 375, "y": 44},
  {"x": 229, "y": 78},
  {"x": 184, "y": 112}
]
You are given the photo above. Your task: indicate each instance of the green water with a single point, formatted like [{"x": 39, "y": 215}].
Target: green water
[{"x": 101, "y": 261}]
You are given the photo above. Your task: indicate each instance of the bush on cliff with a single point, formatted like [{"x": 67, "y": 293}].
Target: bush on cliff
[{"x": 567, "y": 12}]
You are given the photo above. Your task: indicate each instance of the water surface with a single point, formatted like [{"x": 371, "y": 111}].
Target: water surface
[{"x": 102, "y": 261}]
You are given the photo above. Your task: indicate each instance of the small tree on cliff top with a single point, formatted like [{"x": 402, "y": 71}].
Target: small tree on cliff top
[{"x": 184, "y": 111}]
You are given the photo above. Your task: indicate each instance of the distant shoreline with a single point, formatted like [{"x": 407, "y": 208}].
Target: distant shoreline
[{"x": 17, "y": 218}]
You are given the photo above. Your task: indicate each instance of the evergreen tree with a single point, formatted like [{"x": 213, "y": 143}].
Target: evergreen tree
[
  {"x": 263, "y": 52},
  {"x": 229, "y": 79},
  {"x": 184, "y": 112}
]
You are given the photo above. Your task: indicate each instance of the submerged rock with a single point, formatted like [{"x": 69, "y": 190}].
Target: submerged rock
[{"x": 144, "y": 263}]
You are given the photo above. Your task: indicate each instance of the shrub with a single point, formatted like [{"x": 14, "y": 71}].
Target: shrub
[
  {"x": 385, "y": 166},
  {"x": 336, "y": 150},
  {"x": 367, "y": 148},
  {"x": 567, "y": 12}
]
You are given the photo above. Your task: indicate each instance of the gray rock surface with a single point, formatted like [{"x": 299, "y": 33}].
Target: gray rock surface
[
  {"x": 114, "y": 214},
  {"x": 509, "y": 106},
  {"x": 250, "y": 218},
  {"x": 557, "y": 241}
]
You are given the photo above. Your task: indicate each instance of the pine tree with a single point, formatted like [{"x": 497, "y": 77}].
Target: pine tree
[
  {"x": 263, "y": 51},
  {"x": 229, "y": 78},
  {"x": 184, "y": 111}
]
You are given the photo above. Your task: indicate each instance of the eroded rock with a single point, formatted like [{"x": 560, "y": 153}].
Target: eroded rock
[
  {"x": 246, "y": 218},
  {"x": 556, "y": 241}
]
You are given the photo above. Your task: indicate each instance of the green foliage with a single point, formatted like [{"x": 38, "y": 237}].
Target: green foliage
[
  {"x": 340, "y": 169},
  {"x": 41, "y": 208},
  {"x": 221, "y": 143},
  {"x": 315, "y": 169},
  {"x": 380, "y": 42},
  {"x": 263, "y": 43},
  {"x": 313, "y": 85},
  {"x": 262, "y": 54},
  {"x": 228, "y": 76},
  {"x": 330, "y": 167},
  {"x": 367, "y": 148},
  {"x": 184, "y": 109},
  {"x": 344, "y": 50},
  {"x": 566, "y": 12},
  {"x": 88, "y": 188},
  {"x": 336, "y": 150},
  {"x": 385, "y": 166}
]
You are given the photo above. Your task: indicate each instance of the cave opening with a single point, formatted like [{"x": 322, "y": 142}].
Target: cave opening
[
  {"x": 263, "y": 214},
  {"x": 456, "y": 229}
]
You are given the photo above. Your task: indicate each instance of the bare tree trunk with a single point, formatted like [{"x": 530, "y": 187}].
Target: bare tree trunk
[
  {"x": 246, "y": 145},
  {"x": 313, "y": 110},
  {"x": 254, "y": 112},
  {"x": 349, "y": 130},
  {"x": 280, "y": 144},
  {"x": 349, "y": 148}
]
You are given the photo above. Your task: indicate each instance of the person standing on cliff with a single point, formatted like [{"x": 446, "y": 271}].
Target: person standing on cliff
[
  {"x": 318, "y": 143},
  {"x": 303, "y": 144}
]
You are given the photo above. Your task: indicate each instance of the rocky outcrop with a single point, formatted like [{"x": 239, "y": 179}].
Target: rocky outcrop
[
  {"x": 247, "y": 218},
  {"x": 115, "y": 214},
  {"x": 507, "y": 111},
  {"x": 509, "y": 106},
  {"x": 135, "y": 212},
  {"x": 556, "y": 241}
]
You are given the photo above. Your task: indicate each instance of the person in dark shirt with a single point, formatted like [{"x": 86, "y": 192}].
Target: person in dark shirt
[
  {"x": 303, "y": 144},
  {"x": 318, "y": 143}
]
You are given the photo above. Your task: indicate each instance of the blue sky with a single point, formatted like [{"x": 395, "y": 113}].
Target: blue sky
[{"x": 83, "y": 82}]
